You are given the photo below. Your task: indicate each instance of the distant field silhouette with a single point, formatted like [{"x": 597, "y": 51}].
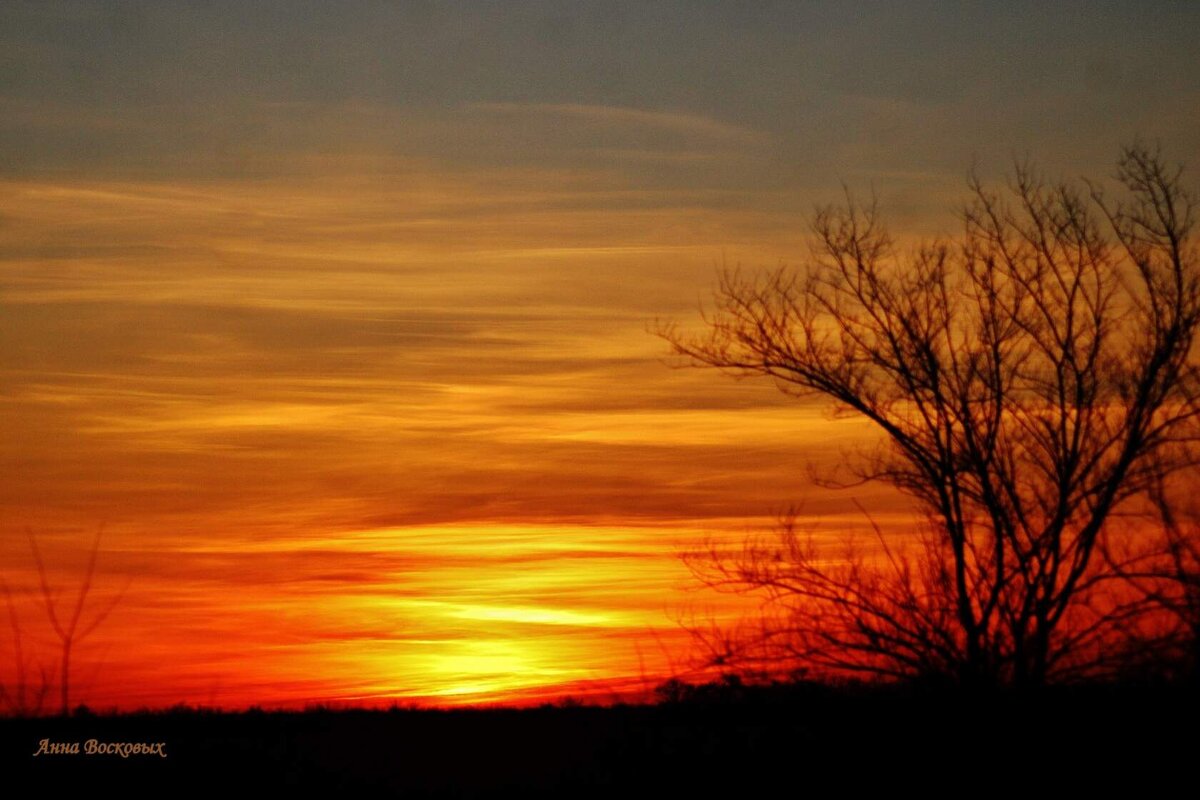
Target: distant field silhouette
[{"x": 722, "y": 739}]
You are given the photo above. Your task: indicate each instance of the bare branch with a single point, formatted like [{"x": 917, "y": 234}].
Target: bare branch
[{"x": 1028, "y": 382}]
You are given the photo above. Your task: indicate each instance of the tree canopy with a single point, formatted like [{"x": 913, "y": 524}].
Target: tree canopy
[{"x": 1028, "y": 378}]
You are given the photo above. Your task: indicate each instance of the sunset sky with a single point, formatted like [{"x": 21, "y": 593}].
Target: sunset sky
[{"x": 335, "y": 316}]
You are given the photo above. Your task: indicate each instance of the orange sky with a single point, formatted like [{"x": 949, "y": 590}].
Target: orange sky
[
  {"x": 345, "y": 346},
  {"x": 350, "y": 440}
]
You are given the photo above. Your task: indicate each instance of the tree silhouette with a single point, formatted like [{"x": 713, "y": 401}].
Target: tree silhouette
[
  {"x": 23, "y": 698},
  {"x": 71, "y": 630},
  {"x": 1028, "y": 380}
]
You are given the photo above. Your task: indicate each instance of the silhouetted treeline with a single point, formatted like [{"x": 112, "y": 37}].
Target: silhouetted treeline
[{"x": 722, "y": 739}]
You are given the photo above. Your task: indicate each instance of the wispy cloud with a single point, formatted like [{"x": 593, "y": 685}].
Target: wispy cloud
[
  {"x": 624, "y": 117},
  {"x": 411, "y": 437}
]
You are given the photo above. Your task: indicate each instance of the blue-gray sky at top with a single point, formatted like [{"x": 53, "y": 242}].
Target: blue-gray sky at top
[{"x": 172, "y": 88}]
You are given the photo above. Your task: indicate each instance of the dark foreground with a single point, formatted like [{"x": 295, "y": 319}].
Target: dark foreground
[{"x": 802, "y": 741}]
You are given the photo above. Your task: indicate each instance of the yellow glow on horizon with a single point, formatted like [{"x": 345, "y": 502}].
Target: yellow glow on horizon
[{"x": 380, "y": 439}]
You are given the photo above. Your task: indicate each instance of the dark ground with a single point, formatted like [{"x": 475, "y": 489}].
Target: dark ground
[{"x": 799, "y": 741}]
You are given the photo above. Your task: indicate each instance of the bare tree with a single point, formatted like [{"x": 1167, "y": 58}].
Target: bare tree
[
  {"x": 22, "y": 698},
  {"x": 72, "y": 629},
  {"x": 1028, "y": 380}
]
